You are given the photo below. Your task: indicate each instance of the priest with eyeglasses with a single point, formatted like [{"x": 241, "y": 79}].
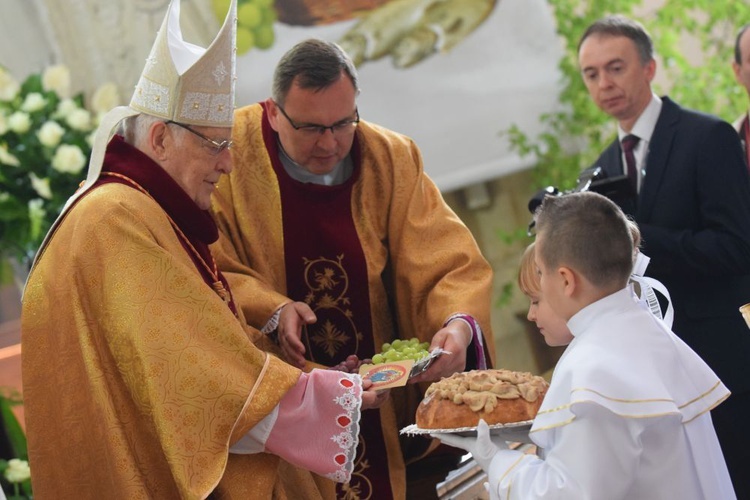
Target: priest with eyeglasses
[{"x": 336, "y": 242}]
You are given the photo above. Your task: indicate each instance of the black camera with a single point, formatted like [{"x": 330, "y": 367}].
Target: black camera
[{"x": 618, "y": 189}]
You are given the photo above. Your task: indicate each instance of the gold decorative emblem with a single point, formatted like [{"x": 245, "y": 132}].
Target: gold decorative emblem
[{"x": 327, "y": 282}]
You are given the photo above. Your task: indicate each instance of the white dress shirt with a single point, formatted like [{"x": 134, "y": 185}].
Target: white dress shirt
[{"x": 643, "y": 129}]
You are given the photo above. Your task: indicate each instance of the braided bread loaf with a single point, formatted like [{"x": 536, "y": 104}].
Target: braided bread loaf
[{"x": 497, "y": 396}]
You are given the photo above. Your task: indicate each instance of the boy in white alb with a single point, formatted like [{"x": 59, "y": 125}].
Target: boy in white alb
[{"x": 627, "y": 414}]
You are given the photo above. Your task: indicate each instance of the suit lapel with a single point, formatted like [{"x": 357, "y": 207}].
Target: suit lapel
[
  {"x": 611, "y": 160},
  {"x": 658, "y": 155},
  {"x": 611, "y": 163}
]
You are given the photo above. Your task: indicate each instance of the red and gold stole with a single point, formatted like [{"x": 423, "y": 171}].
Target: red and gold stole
[
  {"x": 326, "y": 268},
  {"x": 195, "y": 228}
]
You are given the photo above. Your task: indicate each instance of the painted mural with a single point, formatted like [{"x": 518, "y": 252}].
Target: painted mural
[{"x": 452, "y": 74}]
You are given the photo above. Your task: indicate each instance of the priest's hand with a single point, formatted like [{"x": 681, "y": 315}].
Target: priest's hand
[
  {"x": 373, "y": 398},
  {"x": 455, "y": 338},
  {"x": 292, "y": 318},
  {"x": 483, "y": 448}
]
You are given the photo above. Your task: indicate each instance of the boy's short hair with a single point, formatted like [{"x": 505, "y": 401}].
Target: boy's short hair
[
  {"x": 588, "y": 233},
  {"x": 528, "y": 279}
]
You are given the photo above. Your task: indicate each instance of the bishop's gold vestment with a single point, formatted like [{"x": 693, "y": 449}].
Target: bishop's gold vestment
[{"x": 137, "y": 377}]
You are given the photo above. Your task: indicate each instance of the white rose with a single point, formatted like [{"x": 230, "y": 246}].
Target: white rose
[
  {"x": 65, "y": 107},
  {"x": 19, "y": 122},
  {"x": 79, "y": 119},
  {"x": 7, "y": 158},
  {"x": 91, "y": 138},
  {"x": 57, "y": 79},
  {"x": 8, "y": 86},
  {"x": 105, "y": 98},
  {"x": 3, "y": 123},
  {"x": 33, "y": 102},
  {"x": 68, "y": 159},
  {"x": 41, "y": 186},
  {"x": 50, "y": 134},
  {"x": 18, "y": 471}
]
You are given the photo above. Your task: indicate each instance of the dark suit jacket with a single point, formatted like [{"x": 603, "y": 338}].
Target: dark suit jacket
[{"x": 694, "y": 214}]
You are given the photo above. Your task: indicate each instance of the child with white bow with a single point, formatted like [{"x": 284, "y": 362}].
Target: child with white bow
[{"x": 627, "y": 414}]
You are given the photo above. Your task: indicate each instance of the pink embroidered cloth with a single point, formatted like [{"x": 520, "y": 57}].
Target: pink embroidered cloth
[{"x": 335, "y": 399}]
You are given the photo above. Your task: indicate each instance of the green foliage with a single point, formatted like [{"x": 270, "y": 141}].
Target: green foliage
[
  {"x": 14, "y": 445},
  {"x": 13, "y": 430},
  {"x": 506, "y": 293},
  {"x": 519, "y": 237},
  {"x": 576, "y": 135},
  {"x": 6, "y": 272},
  {"x": 708, "y": 84}
]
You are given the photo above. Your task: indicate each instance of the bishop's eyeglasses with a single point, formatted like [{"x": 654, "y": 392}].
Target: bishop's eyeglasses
[
  {"x": 214, "y": 147},
  {"x": 313, "y": 129}
]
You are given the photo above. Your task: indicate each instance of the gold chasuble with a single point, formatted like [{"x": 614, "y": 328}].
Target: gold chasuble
[
  {"x": 156, "y": 376},
  {"x": 378, "y": 257}
]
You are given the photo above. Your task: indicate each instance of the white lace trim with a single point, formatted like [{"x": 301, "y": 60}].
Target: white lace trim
[
  {"x": 273, "y": 323},
  {"x": 348, "y": 421}
]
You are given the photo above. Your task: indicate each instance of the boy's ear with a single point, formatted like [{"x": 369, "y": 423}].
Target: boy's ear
[{"x": 569, "y": 280}]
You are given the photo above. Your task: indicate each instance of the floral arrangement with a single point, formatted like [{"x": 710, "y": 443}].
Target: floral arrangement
[{"x": 45, "y": 143}]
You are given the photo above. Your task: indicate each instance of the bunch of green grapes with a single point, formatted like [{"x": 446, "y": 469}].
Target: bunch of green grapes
[
  {"x": 255, "y": 20},
  {"x": 400, "y": 350}
]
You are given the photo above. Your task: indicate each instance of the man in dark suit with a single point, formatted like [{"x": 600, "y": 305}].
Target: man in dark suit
[
  {"x": 693, "y": 209},
  {"x": 741, "y": 68}
]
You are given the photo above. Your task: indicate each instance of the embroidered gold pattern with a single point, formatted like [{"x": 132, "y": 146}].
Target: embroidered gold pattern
[
  {"x": 330, "y": 338},
  {"x": 359, "y": 486},
  {"x": 325, "y": 279},
  {"x": 212, "y": 269},
  {"x": 328, "y": 283}
]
